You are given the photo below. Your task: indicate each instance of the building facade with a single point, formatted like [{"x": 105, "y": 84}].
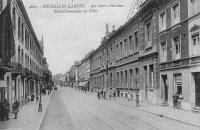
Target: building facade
[
  {"x": 26, "y": 71},
  {"x": 127, "y": 60},
  {"x": 179, "y": 49},
  {"x": 84, "y": 73},
  {"x": 155, "y": 54}
]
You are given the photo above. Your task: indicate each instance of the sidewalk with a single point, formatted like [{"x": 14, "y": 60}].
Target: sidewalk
[
  {"x": 28, "y": 117},
  {"x": 188, "y": 117}
]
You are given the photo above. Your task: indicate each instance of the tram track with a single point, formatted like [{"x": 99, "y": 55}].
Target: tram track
[{"x": 114, "y": 117}]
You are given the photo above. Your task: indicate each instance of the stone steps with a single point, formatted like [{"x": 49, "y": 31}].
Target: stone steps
[{"x": 196, "y": 109}]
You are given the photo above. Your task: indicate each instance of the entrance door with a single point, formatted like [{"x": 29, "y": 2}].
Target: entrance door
[
  {"x": 164, "y": 78},
  {"x": 197, "y": 89},
  {"x": 146, "y": 82}
]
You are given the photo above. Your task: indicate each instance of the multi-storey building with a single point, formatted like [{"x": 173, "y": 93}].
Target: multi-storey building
[
  {"x": 179, "y": 51},
  {"x": 95, "y": 70},
  {"x": 102, "y": 64},
  {"x": 84, "y": 73},
  {"x": 73, "y": 75},
  {"x": 27, "y": 63},
  {"x": 127, "y": 61}
]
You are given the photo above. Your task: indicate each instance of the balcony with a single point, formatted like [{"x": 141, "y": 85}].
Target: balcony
[
  {"x": 16, "y": 69},
  {"x": 180, "y": 63},
  {"x": 23, "y": 72},
  {"x": 5, "y": 68}
]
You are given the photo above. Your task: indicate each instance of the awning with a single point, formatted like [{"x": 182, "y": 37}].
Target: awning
[{"x": 83, "y": 83}]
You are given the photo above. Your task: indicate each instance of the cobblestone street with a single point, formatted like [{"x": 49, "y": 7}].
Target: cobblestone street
[{"x": 73, "y": 109}]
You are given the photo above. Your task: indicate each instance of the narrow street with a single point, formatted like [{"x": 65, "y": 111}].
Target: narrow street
[{"x": 73, "y": 109}]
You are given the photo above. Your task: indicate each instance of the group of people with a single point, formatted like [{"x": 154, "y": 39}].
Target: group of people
[
  {"x": 5, "y": 109},
  {"x": 31, "y": 98},
  {"x": 102, "y": 94}
]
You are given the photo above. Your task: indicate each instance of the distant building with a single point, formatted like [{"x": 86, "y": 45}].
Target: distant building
[{"x": 84, "y": 72}]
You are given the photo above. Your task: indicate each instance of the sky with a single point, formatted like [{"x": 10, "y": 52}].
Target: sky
[{"x": 70, "y": 36}]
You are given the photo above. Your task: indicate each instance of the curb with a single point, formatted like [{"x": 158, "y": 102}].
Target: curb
[{"x": 39, "y": 127}]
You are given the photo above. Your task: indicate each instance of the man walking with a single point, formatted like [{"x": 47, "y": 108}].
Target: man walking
[
  {"x": 15, "y": 107},
  {"x": 7, "y": 109},
  {"x": 175, "y": 99}
]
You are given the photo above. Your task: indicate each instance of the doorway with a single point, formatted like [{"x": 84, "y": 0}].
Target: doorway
[
  {"x": 164, "y": 78},
  {"x": 197, "y": 89},
  {"x": 145, "y": 82}
]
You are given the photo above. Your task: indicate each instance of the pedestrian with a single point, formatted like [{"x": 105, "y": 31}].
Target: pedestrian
[
  {"x": 29, "y": 98},
  {"x": 129, "y": 97},
  {"x": 2, "y": 111},
  {"x": 114, "y": 94},
  {"x": 7, "y": 109},
  {"x": 37, "y": 98},
  {"x": 175, "y": 99},
  {"x": 104, "y": 95},
  {"x": 98, "y": 95},
  {"x": 110, "y": 95},
  {"x": 32, "y": 97},
  {"x": 15, "y": 107}
]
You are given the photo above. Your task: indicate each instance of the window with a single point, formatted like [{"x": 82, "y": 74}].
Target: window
[
  {"x": 126, "y": 79},
  {"x": 163, "y": 21},
  {"x": 163, "y": 52},
  {"x": 136, "y": 42},
  {"x": 121, "y": 50},
  {"x": 19, "y": 54},
  {"x": 177, "y": 47},
  {"x": 111, "y": 55},
  {"x": 148, "y": 34},
  {"x": 136, "y": 77},
  {"x": 118, "y": 79},
  {"x": 151, "y": 76},
  {"x": 22, "y": 32},
  {"x": 178, "y": 83},
  {"x": 125, "y": 47},
  {"x": 121, "y": 79},
  {"x": 14, "y": 17},
  {"x": 195, "y": 45},
  {"x": 175, "y": 14},
  {"x": 117, "y": 51},
  {"x": 19, "y": 27},
  {"x": 131, "y": 78},
  {"x": 131, "y": 47}
]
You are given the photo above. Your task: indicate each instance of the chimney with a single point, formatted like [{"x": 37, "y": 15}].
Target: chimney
[{"x": 107, "y": 30}]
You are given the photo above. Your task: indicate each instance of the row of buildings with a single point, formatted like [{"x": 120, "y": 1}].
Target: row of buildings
[
  {"x": 22, "y": 62},
  {"x": 155, "y": 54}
]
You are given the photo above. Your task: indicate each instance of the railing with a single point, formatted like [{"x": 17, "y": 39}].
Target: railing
[{"x": 16, "y": 68}]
